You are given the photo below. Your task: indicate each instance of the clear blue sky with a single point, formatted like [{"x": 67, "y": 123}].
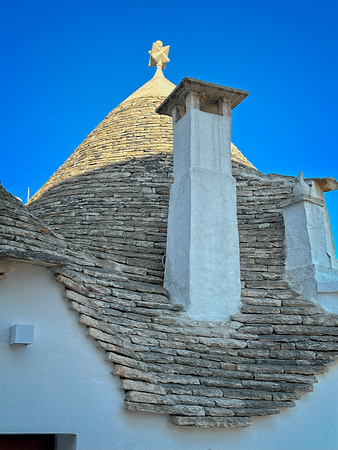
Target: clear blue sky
[{"x": 65, "y": 64}]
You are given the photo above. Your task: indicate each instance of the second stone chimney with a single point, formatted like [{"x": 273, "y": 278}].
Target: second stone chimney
[{"x": 202, "y": 269}]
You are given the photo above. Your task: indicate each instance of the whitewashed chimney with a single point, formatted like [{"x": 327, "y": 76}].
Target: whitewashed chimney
[
  {"x": 202, "y": 269},
  {"x": 311, "y": 261}
]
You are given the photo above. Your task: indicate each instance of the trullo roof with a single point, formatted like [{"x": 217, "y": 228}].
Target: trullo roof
[
  {"x": 113, "y": 190},
  {"x": 106, "y": 213}
]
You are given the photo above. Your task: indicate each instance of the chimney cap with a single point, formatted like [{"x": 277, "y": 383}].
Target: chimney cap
[
  {"x": 210, "y": 94},
  {"x": 326, "y": 184}
]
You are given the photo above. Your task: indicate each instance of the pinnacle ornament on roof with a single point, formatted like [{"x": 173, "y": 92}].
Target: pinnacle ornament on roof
[
  {"x": 159, "y": 55},
  {"x": 301, "y": 188}
]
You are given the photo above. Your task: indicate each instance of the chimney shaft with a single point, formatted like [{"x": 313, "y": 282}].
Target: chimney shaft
[{"x": 202, "y": 269}]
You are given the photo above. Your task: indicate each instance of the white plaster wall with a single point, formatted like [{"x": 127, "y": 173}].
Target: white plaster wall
[{"x": 61, "y": 384}]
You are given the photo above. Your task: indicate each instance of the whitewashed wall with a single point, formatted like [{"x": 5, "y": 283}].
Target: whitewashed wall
[{"x": 61, "y": 384}]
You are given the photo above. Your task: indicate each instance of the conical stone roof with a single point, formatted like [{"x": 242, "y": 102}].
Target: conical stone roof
[
  {"x": 131, "y": 130},
  {"x": 111, "y": 196}
]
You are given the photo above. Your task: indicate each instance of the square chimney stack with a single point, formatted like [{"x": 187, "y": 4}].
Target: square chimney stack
[{"x": 202, "y": 269}]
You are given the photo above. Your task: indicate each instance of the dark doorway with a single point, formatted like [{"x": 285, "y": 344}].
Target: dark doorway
[{"x": 27, "y": 441}]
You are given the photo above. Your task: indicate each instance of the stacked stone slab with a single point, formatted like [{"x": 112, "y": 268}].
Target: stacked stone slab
[{"x": 24, "y": 237}]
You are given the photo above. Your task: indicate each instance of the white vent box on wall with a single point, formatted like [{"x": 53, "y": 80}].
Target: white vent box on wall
[{"x": 21, "y": 334}]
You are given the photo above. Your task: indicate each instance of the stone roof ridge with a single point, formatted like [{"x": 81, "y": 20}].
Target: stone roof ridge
[
  {"x": 253, "y": 173},
  {"x": 25, "y": 237}
]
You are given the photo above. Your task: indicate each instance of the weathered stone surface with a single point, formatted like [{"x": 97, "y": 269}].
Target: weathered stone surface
[
  {"x": 262, "y": 329},
  {"x": 317, "y": 346},
  {"x": 291, "y": 378},
  {"x": 324, "y": 355},
  {"x": 221, "y": 382},
  {"x": 229, "y": 403},
  {"x": 284, "y": 338},
  {"x": 254, "y": 353},
  {"x": 264, "y": 344},
  {"x": 257, "y": 404},
  {"x": 281, "y": 396},
  {"x": 140, "y": 386},
  {"x": 118, "y": 349},
  {"x": 242, "y": 336},
  {"x": 262, "y": 385},
  {"x": 306, "y": 330},
  {"x": 306, "y": 369},
  {"x": 223, "y": 343},
  {"x": 246, "y": 394},
  {"x": 260, "y": 301},
  {"x": 296, "y": 387},
  {"x": 207, "y": 391},
  {"x": 247, "y": 412},
  {"x": 177, "y": 379},
  {"x": 183, "y": 410},
  {"x": 70, "y": 284},
  {"x": 297, "y": 302},
  {"x": 292, "y": 354},
  {"x": 125, "y": 361},
  {"x": 302, "y": 310},
  {"x": 220, "y": 412},
  {"x": 261, "y": 368},
  {"x": 268, "y": 318},
  {"x": 154, "y": 357},
  {"x": 143, "y": 397},
  {"x": 213, "y": 422},
  {"x": 133, "y": 374},
  {"x": 197, "y": 362},
  {"x": 190, "y": 399},
  {"x": 326, "y": 320},
  {"x": 249, "y": 309}
]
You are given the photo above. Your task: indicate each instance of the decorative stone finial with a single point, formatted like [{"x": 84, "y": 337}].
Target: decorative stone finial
[
  {"x": 159, "y": 55},
  {"x": 301, "y": 188}
]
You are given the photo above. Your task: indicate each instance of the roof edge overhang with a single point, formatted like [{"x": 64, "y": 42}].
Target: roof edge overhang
[
  {"x": 8, "y": 258},
  {"x": 326, "y": 184},
  {"x": 210, "y": 91}
]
